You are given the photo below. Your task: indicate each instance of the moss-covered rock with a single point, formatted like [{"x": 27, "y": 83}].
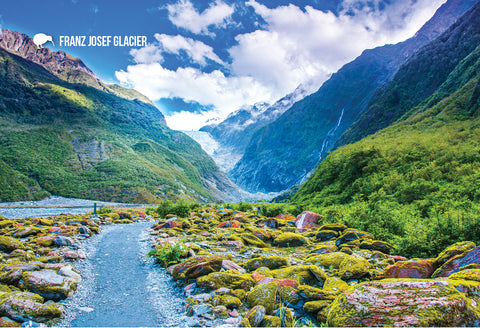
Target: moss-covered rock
[
  {"x": 455, "y": 263},
  {"x": 416, "y": 268},
  {"x": 453, "y": 250},
  {"x": 255, "y": 315},
  {"x": 8, "y": 244},
  {"x": 271, "y": 321},
  {"x": 376, "y": 245},
  {"x": 23, "y": 306},
  {"x": 329, "y": 260},
  {"x": 271, "y": 262},
  {"x": 469, "y": 274},
  {"x": 326, "y": 235},
  {"x": 252, "y": 240},
  {"x": 404, "y": 302},
  {"x": 264, "y": 295},
  {"x": 289, "y": 296},
  {"x": 302, "y": 273},
  {"x": 354, "y": 266},
  {"x": 228, "y": 279},
  {"x": 335, "y": 285},
  {"x": 229, "y": 301},
  {"x": 315, "y": 294},
  {"x": 315, "y": 306},
  {"x": 48, "y": 284},
  {"x": 290, "y": 239},
  {"x": 334, "y": 226}
]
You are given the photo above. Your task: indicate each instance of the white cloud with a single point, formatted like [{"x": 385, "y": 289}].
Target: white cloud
[
  {"x": 295, "y": 45},
  {"x": 146, "y": 55},
  {"x": 226, "y": 94},
  {"x": 183, "y": 14},
  {"x": 196, "y": 50}
]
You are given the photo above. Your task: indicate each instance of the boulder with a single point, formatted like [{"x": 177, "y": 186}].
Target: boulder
[
  {"x": 230, "y": 224},
  {"x": 307, "y": 220},
  {"x": 46, "y": 241},
  {"x": 325, "y": 248},
  {"x": 228, "y": 279},
  {"x": 326, "y": 235},
  {"x": 329, "y": 260},
  {"x": 48, "y": 284},
  {"x": 469, "y": 274},
  {"x": 23, "y": 306},
  {"x": 376, "y": 245},
  {"x": 8, "y": 244},
  {"x": 416, "y": 268},
  {"x": 264, "y": 295},
  {"x": 62, "y": 241},
  {"x": 398, "y": 302},
  {"x": 271, "y": 262},
  {"x": 455, "y": 263},
  {"x": 453, "y": 250},
  {"x": 203, "y": 268},
  {"x": 26, "y": 231},
  {"x": 315, "y": 294},
  {"x": 290, "y": 239},
  {"x": 334, "y": 226},
  {"x": 290, "y": 297},
  {"x": 271, "y": 321},
  {"x": 252, "y": 240},
  {"x": 229, "y": 301},
  {"x": 230, "y": 265},
  {"x": 255, "y": 316},
  {"x": 354, "y": 267},
  {"x": 315, "y": 306},
  {"x": 304, "y": 274},
  {"x": 335, "y": 285}
]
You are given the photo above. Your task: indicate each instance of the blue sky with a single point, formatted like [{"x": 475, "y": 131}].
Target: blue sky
[{"x": 205, "y": 59}]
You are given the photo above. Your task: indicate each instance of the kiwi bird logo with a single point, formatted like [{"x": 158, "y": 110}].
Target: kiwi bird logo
[{"x": 40, "y": 39}]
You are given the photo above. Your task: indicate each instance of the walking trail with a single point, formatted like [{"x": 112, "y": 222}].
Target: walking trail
[{"x": 121, "y": 287}]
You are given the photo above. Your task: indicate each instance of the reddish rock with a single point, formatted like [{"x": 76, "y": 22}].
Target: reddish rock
[
  {"x": 396, "y": 302},
  {"x": 168, "y": 225},
  {"x": 203, "y": 268},
  {"x": 455, "y": 263},
  {"x": 230, "y": 265},
  {"x": 285, "y": 217},
  {"x": 70, "y": 255},
  {"x": 418, "y": 268},
  {"x": 280, "y": 282},
  {"x": 230, "y": 224},
  {"x": 397, "y": 257},
  {"x": 307, "y": 220}
]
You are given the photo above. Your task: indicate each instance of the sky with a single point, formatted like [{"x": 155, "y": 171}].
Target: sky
[{"x": 206, "y": 59}]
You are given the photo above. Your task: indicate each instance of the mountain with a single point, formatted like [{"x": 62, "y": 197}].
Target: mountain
[
  {"x": 64, "y": 132},
  {"x": 234, "y": 133},
  {"x": 417, "y": 180},
  {"x": 284, "y": 152}
]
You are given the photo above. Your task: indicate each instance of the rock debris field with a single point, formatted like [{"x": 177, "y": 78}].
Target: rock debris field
[{"x": 219, "y": 267}]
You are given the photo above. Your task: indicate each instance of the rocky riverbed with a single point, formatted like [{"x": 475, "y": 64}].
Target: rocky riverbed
[
  {"x": 37, "y": 261},
  {"x": 243, "y": 269}
]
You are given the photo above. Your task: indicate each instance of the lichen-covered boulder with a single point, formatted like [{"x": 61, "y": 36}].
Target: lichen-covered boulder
[
  {"x": 46, "y": 241},
  {"x": 49, "y": 284},
  {"x": 228, "y": 279},
  {"x": 325, "y": 248},
  {"x": 329, "y": 260},
  {"x": 7, "y": 322},
  {"x": 290, "y": 297},
  {"x": 271, "y": 321},
  {"x": 230, "y": 224},
  {"x": 335, "y": 285},
  {"x": 469, "y": 274},
  {"x": 334, "y": 226},
  {"x": 290, "y": 239},
  {"x": 8, "y": 244},
  {"x": 312, "y": 293},
  {"x": 376, "y": 245},
  {"x": 252, "y": 240},
  {"x": 179, "y": 270},
  {"x": 62, "y": 241},
  {"x": 455, "y": 263},
  {"x": 326, "y": 235},
  {"x": 416, "y": 268},
  {"x": 302, "y": 273},
  {"x": 229, "y": 301},
  {"x": 271, "y": 262},
  {"x": 203, "y": 268},
  {"x": 264, "y": 295},
  {"x": 23, "y": 306},
  {"x": 401, "y": 302},
  {"x": 255, "y": 315},
  {"x": 315, "y": 306},
  {"x": 354, "y": 267},
  {"x": 453, "y": 250},
  {"x": 350, "y": 235},
  {"x": 307, "y": 220}
]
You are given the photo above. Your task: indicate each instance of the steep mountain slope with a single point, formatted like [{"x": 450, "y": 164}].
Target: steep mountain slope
[
  {"x": 89, "y": 140},
  {"x": 285, "y": 152},
  {"x": 418, "y": 179}
]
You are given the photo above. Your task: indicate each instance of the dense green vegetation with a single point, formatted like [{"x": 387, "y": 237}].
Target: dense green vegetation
[{"x": 79, "y": 141}]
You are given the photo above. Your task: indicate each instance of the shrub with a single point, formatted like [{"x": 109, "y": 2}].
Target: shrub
[{"x": 167, "y": 254}]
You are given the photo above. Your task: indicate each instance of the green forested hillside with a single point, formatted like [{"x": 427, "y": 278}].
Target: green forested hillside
[
  {"x": 417, "y": 182},
  {"x": 75, "y": 140}
]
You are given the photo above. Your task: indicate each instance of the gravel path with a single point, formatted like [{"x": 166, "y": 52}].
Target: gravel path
[{"x": 121, "y": 287}]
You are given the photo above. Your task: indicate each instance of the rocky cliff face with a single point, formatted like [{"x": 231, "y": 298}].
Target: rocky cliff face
[{"x": 284, "y": 152}]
